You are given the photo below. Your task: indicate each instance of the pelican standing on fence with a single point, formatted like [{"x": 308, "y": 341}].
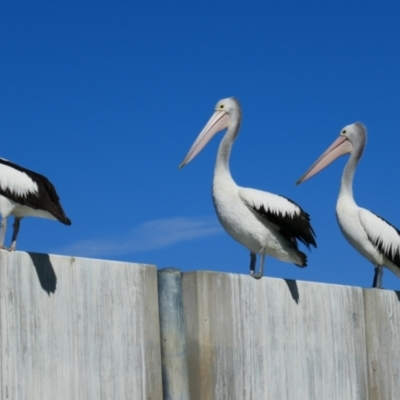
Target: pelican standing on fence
[
  {"x": 372, "y": 236},
  {"x": 26, "y": 193},
  {"x": 265, "y": 223}
]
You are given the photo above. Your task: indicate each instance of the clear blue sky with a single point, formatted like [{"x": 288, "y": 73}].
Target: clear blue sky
[{"x": 105, "y": 99}]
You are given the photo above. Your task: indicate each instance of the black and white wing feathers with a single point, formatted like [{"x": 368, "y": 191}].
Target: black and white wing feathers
[
  {"x": 291, "y": 221},
  {"x": 30, "y": 189},
  {"x": 382, "y": 234}
]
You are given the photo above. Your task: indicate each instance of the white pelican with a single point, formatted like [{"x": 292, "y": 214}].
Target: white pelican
[
  {"x": 26, "y": 193},
  {"x": 263, "y": 222},
  {"x": 371, "y": 235}
]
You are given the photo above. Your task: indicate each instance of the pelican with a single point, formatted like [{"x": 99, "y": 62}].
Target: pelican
[
  {"x": 265, "y": 223},
  {"x": 371, "y": 235},
  {"x": 26, "y": 193}
]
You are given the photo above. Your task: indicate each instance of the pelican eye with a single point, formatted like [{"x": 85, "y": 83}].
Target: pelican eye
[
  {"x": 221, "y": 106},
  {"x": 344, "y": 131}
]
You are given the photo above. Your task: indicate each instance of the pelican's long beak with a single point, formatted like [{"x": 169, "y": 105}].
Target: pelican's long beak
[
  {"x": 218, "y": 122},
  {"x": 338, "y": 148}
]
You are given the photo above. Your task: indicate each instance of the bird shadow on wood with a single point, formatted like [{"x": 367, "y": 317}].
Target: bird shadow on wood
[
  {"x": 294, "y": 290},
  {"x": 45, "y": 272},
  {"x": 397, "y": 295}
]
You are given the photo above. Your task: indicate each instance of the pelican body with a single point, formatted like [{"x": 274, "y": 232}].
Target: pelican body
[
  {"x": 371, "y": 235},
  {"x": 26, "y": 193},
  {"x": 265, "y": 223}
]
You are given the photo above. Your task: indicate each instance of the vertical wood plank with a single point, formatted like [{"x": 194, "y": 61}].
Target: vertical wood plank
[
  {"x": 96, "y": 336},
  {"x": 382, "y": 310},
  {"x": 272, "y": 339}
]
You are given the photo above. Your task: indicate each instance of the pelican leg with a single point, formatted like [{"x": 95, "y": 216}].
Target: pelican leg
[
  {"x": 3, "y": 231},
  {"x": 15, "y": 233},
  {"x": 260, "y": 273},
  {"x": 377, "y": 282},
  {"x": 253, "y": 260}
]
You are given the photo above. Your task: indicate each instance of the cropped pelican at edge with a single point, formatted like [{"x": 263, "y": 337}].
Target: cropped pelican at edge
[
  {"x": 24, "y": 193},
  {"x": 371, "y": 235}
]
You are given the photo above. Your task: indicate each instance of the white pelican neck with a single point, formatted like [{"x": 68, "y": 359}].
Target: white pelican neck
[
  {"x": 346, "y": 187},
  {"x": 225, "y": 147}
]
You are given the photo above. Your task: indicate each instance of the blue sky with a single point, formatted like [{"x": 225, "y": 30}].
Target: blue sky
[{"x": 105, "y": 99}]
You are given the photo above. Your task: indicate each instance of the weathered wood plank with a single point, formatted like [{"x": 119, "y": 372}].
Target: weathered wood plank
[
  {"x": 89, "y": 329},
  {"x": 272, "y": 339},
  {"x": 382, "y": 310},
  {"x": 172, "y": 335},
  {"x": 95, "y": 337}
]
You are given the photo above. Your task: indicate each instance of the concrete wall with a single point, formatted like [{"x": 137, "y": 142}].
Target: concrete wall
[
  {"x": 94, "y": 336},
  {"x": 79, "y": 329}
]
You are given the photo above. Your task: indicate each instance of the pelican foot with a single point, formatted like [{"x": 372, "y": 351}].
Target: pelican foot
[
  {"x": 6, "y": 249},
  {"x": 256, "y": 275}
]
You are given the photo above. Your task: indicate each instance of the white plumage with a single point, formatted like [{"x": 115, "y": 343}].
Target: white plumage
[
  {"x": 372, "y": 236},
  {"x": 271, "y": 202},
  {"x": 265, "y": 223},
  {"x": 16, "y": 181}
]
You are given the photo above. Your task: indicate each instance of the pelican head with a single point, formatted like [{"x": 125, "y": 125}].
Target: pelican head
[
  {"x": 226, "y": 111},
  {"x": 354, "y": 133},
  {"x": 351, "y": 136}
]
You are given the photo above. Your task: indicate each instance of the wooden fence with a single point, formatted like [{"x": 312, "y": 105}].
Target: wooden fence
[{"x": 75, "y": 329}]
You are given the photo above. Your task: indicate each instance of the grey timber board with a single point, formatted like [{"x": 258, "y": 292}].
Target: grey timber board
[
  {"x": 94, "y": 336},
  {"x": 273, "y": 339},
  {"x": 383, "y": 343}
]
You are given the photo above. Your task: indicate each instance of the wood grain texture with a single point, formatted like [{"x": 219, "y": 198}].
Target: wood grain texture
[
  {"x": 77, "y": 329},
  {"x": 273, "y": 339},
  {"x": 383, "y": 343},
  {"x": 73, "y": 328}
]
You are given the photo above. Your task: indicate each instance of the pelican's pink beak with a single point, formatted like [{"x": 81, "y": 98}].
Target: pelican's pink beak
[
  {"x": 338, "y": 148},
  {"x": 219, "y": 121}
]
